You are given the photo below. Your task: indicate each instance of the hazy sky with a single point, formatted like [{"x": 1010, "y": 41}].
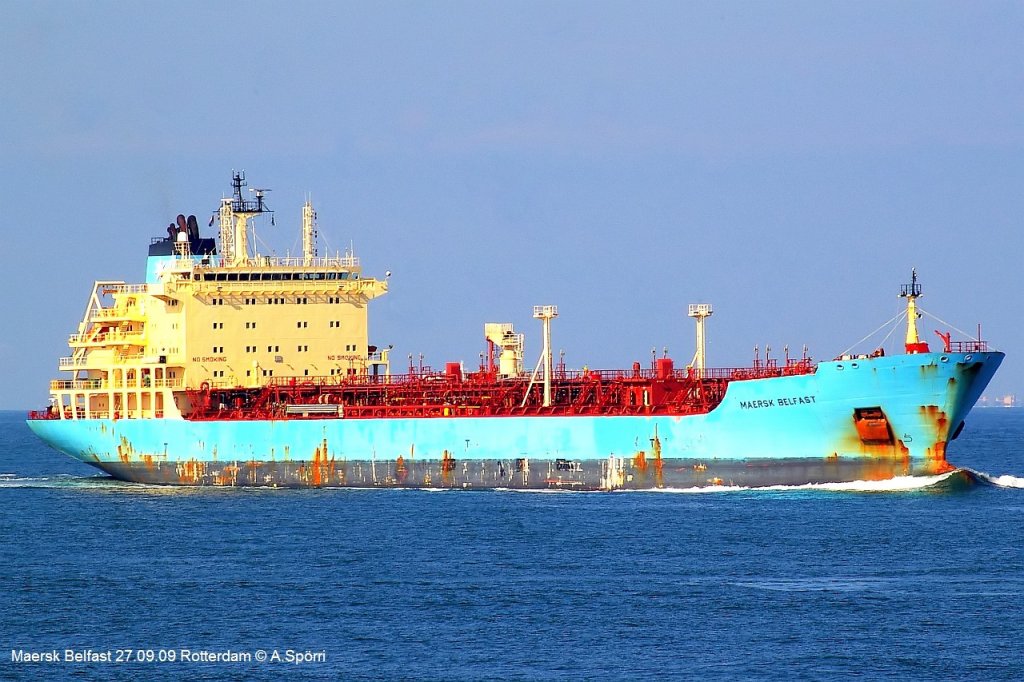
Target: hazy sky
[{"x": 788, "y": 162}]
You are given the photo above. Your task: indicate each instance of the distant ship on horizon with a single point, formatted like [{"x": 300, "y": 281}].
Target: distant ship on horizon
[
  {"x": 231, "y": 368},
  {"x": 1008, "y": 400}
]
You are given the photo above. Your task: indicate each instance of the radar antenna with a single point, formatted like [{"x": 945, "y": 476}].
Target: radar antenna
[
  {"x": 234, "y": 217},
  {"x": 239, "y": 204}
]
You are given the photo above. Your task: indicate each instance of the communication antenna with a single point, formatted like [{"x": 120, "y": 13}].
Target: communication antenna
[
  {"x": 308, "y": 232},
  {"x": 235, "y": 213}
]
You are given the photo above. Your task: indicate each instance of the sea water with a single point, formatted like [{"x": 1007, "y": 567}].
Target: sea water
[{"x": 911, "y": 578}]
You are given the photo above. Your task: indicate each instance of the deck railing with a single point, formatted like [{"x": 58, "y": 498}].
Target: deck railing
[
  {"x": 104, "y": 385},
  {"x": 119, "y": 313},
  {"x": 602, "y": 375},
  {"x": 322, "y": 262},
  {"x": 107, "y": 337},
  {"x": 54, "y": 413},
  {"x": 968, "y": 346},
  {"x": 126, "y": 288}
]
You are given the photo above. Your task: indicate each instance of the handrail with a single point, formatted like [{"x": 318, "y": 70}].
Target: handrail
[
  {"x": 268, "y": 262},
  {"x": 119, "y": 312},
  {"x": 595, "y": 375},
  {"x": 106, "y": 385},
  {"x": 126, "y": 288},
  {"x": 105, "y": 337},
  {"x": 77, "y": 384},
  {"x": 73, "y": 362},
  {"x": 968, "y": 346},
  {"x": 354, "y": 285}
]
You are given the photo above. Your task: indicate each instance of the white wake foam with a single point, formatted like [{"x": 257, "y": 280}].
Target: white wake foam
[
  {"x": 818, "y": 584},
  {"x": 1004, "y": 481},
  {"x": 896, "y": 484},
  {"x": 702, "y": 489},
  {"x": 60, "y": 481},
  {"x": 12, "y": 481}
]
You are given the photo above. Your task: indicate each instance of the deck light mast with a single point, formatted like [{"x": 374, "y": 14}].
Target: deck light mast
[
  {"x": 699, "y": 311},
  {"x": 544, "y": 313}
]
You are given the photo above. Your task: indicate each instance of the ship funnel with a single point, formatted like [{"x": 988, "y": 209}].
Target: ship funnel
[
  {"x": 181, "y": 245},
  {"x": 193, "y": 228}
]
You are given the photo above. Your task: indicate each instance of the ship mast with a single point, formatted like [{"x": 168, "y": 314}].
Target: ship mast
[
  {"x": 912, "y": 292},
  {"x": 308, "y": 233},
  {"x": 235, "y": 213}
]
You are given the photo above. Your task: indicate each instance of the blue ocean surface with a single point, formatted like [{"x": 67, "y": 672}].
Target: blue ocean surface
[{"x": 909, "y": 579}]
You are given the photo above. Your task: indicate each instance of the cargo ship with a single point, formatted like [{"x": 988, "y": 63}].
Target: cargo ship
[{"x": 232, "y": 368}]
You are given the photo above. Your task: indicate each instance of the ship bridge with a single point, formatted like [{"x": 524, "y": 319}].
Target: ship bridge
[{"x": 202, "y": 319}]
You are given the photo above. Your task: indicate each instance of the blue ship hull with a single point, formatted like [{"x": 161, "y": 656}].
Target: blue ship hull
[{"x": 787, "y": 430}]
